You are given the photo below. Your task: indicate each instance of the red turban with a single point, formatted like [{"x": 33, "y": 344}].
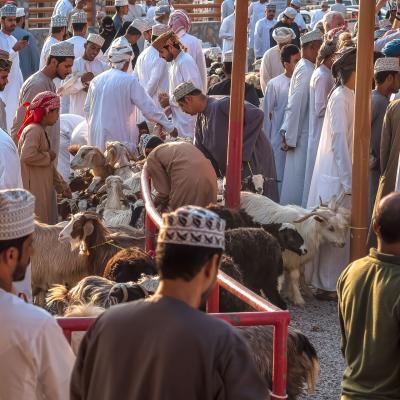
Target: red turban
[{"x": 41, "y": 104}]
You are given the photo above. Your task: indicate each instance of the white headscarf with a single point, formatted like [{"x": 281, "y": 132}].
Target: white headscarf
[{"x": 119, "y": 54}]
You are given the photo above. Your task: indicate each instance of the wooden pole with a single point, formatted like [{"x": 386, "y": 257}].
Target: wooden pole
[
  {"x": 236, "y": 112},
  {"x": 362, "y": 130}
]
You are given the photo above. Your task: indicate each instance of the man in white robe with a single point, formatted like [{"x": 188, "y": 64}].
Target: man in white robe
[
  {"x": 256, "y": 12},
  {"x": 10, "y": 168},
  {"x": 295, "y": 128},
  {"x": 9, "y": 44},
  {"x": 320, "y": 86},
  {"x": 83, "y": 72},
  {"x": 64, "y": 8},
  {"x": 79, "y": 28},
  {"x": 36, "y": 359},
  {"x": 227, "y": 8},
  {"x": 152, "y": 70},
  {"x": 275, "y": 103},
  {"x": 226, "y": 32},
  {"x": 333, "y": 170},
  {"x": 319, "y": 14},
  {"x": 262, "y": 31},
  {"x": 112, "y": 100},
  {"x": 271, "y": 65},
  {"x": 135, "y": 11},
  {"x": 180, "y": 23},
  {"x": 299, "y": 20},
  {"x": 58, "y": 28},
  {"x": 182, "y": 69},
  {"x": 5, "y": 68}
]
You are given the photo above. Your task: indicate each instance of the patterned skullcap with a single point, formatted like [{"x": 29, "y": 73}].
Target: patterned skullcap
[
  {"x": 162, "y": 7},
  {"x": 193, "y": 226},
  {"x": 290, "y": 12},
  {"x": 96, "y": 39},
  {"x": 17, "y": 209},
  {"x": 392, "y": 49},
  {"x": 20, "y": 12},
  {"x": 150, "y": 141},
  {"x": 142, "y": 24},
  {"x": 386, "y": 64},
  {"x": 168, "y": 38},
  {"x": 183, "y": 90},
  {"x": 283, "y": 35},
  {"x": 159, "y": 29},
  {"x": 228, "y": 57},
  {"x": 58, "y": 21},
  {"x": 121, "y": 3},
  {"x": 271, "y": 6},
  {"x": 79, "y": 17},
  {"x": 62, "y": 49},
  {"x": 8, "y": 10},
  {"x": 311, "y": 36},
  {"x": 296, "y": 3}
]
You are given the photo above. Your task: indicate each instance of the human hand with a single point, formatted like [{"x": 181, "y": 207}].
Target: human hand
[
  {"x": 21, "y": 44},
  {"x": 87, "y": 77},
  {"x": 53, "y": 155}
]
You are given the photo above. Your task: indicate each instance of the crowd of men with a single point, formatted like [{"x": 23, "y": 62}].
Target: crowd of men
[{"x": 140, "y": 78}]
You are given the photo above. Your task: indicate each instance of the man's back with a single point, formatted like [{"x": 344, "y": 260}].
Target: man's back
[
  {"x": 171, "y": 351},
  {"x": 369, "y": 310}
]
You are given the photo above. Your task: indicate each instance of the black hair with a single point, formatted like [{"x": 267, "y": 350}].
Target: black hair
[
  {"x": 133, "y": 31},
  {"x": 387, "y": 220},
  {"x": 195, "y": 92},
  {"x": 57, "y": 29},
  {"x": 154, "y": 142},
  {"x": 18, "y": 19},
  {"x": 227, "y": 67},
  {"x": 17, "y": 243},
  {"x": 60, "y": 59},
  {"x": 5, "y": 65},
  {"x": 107, "y": 20},
  {"x": 380, "y": 77},
  {"x": 118, "y": 8},
  {"x": 79, "y": 26},
  {"x": 153, "y": 38},
  {"x": 176, "y": 261},
  {"x": 288, "y": 51}
]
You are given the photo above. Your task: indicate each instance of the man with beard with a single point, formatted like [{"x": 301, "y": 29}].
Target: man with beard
[
  {"x": 35, "y": 358},
  {"x": 182, "y": 353},
  {"x": 59, "y": 65},
  {"x": 5, "y": 68}
]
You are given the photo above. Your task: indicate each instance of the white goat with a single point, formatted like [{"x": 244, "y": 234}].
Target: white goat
[
  {"x": 325, "y": 224},
  {"x": 118, "y": 156}
]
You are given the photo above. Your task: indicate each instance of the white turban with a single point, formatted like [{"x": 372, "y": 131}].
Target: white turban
[
  {"x": 283, "y": 35},
  {"x": 119, "y": 54}
]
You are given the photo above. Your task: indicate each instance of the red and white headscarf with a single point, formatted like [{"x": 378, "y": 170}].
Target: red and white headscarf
[
  {"x": 179, "y": 21},
  {"x": 41, "y": 104}
]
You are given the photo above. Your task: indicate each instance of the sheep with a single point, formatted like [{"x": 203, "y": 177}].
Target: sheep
[
  {"x": 90, "y": 157},
  {"x": 286, "y": 234},
  {"x": 258, "y": 255},
  {"x": 118, "y": 156},
  {"x": 87, "y": 232},
  {"x": 325, "y": 224},
  {"x": 302, "y": 359},
  {"x": 128, "y": 265},
  {"x": 114, "y": 210}
]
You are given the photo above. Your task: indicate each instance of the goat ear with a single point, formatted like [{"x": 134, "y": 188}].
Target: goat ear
[
  {"x": 318, "y": 219},
  {"x": 110, "y": 155},
  {"x": 88, "y": 229}
]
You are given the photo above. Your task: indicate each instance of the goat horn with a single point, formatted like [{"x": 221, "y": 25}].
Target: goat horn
[
  {"x": 306, "y": 217},
  {"x": 321, "y": 203}
]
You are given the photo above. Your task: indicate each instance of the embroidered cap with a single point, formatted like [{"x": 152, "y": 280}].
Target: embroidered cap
[
  {"x": 58, "y": 21},
  {"x": 168, "y": 38},
  {"x": 20, "y": 12},
  {"x": 183, "y": 90},
  {"x": 17, "y": 210},
  {"x": 159, "y": 29},
  {"x": 121, "y": 3},
  {"x": 311, "y": 36},
  {"x": 271, "y": 7},
  {"x": 62, "y": 49},
  {"x": 387, "y": 64},
  {"x": 283, "y": 35},
  {"x": 193, "y": 226},
  {"x": 96, "y": 39},
  {"x": 141, "y": 24},
  {"x": 290, "y": 12},
  {"x": 296, "y": 3},
  {"x": 79, "y": 17},
  {"x": 8, "y": 10}
]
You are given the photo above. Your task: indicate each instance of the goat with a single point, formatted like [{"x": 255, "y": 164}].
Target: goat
[
  {"x": 254, "y": 183},
  {"x": 128, "y": 265},
  {"x": 302, "y": 359},
  {"x": 286, "y": 234},
  {"x": 87, "y": 232},
  {"x": 325, "y": 224},
  {"x": 118, "y": 156},
  {"x": 90, "y": 157},
  {"x": 259, "y": 257}
]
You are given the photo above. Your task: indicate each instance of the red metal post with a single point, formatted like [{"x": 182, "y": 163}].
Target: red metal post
[
  {"x": 279, "y": 371},
  {"x": 236, "y": 112},
  {"x": 213, "y": 300}
]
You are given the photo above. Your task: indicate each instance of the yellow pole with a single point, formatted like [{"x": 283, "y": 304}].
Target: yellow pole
[{"x": 362, "y": 129}]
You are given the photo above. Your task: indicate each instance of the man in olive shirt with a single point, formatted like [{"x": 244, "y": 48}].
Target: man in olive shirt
[
  {"x": 369, "y": 312},
  {"x": 164, "y": 348}
]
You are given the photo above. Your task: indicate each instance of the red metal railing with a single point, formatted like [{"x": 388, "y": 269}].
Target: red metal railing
[{"x": 268, "y": 313}]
